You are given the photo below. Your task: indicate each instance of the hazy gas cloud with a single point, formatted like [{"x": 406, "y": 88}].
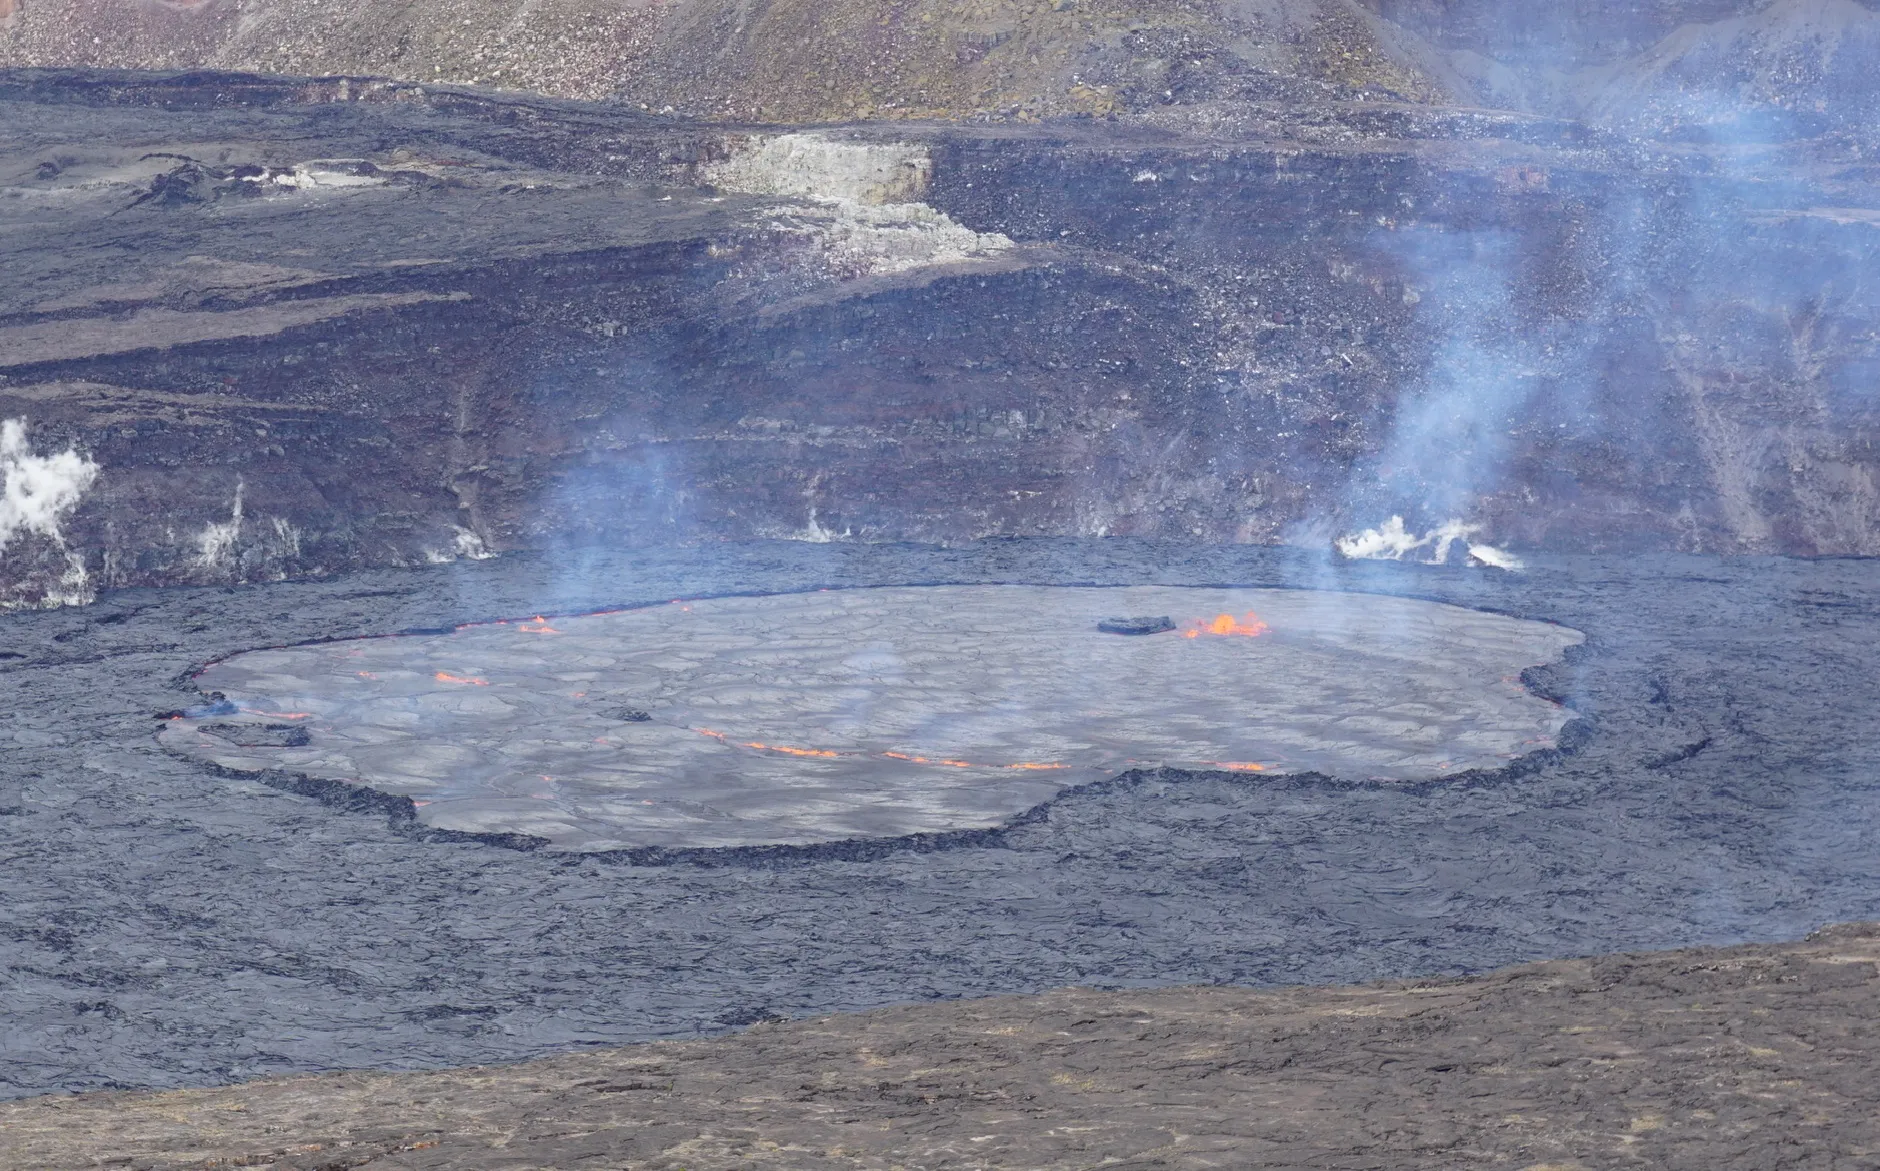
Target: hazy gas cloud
[{"x": 1690, "y": 334}]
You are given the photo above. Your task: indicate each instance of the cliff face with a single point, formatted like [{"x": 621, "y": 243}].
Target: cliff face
[
  {"x": 1566, "y": 34},
  {"x": 290, "y": 326},
  {"x": 1193, "y": 62},
  {"x": 772, "y": 60}
]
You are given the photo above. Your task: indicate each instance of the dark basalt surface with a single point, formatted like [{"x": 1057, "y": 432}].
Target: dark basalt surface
[
  {"x": 1744, "y": 1058},
  {"x": 1137, "y": 626},
  {"x": 162, "y": 926},
  {"x": 543, "y": 323}
]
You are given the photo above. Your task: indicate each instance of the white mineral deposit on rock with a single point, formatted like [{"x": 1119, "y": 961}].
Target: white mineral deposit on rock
[
  {"x": 869, "y": 219},
  {"x": 816, "y": 166},
  {"x": 327, "y": 174}
]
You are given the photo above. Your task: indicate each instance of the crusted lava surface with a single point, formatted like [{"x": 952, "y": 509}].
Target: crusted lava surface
[
  {"x": 836, "y": 715},
  {"x": 165, "y": 926}
]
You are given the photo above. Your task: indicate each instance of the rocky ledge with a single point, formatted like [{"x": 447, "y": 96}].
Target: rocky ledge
[{"x": 1746, "y": 1057}]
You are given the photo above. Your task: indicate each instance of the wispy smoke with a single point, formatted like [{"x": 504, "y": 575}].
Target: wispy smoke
[
  {"x": 1454, "y": 430},
  {"x": 1668, "y": 339},
  {"x": 215, "y": 545},
  {"x": 1451, "y": 437},
  {"x": 469, "y": 545}
]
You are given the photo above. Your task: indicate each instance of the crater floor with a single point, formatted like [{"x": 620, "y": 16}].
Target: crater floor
[
  {"x": 167, "y": 926},
  {"x": 838, "y": 714}
]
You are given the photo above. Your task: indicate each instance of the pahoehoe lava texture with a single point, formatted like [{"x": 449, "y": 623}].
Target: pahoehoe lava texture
[{"x": 166, "y": 927}]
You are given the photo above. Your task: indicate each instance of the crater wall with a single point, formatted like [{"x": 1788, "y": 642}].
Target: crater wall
[{"x": 309, "y": 326}]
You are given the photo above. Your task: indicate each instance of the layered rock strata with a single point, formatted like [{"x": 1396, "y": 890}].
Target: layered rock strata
[{"x": 305, "y": 325}]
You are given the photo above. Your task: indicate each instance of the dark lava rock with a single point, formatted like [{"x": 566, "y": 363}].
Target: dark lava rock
[
  {"x": 260, "y": 735},
  {"x": 238, "y": 929},
  {"x": 1620, "y": 1061},
  {"x": 1205, "y": 336},
  {"x": 631, "y": 715},
  {"x": 1136, "y": 625},
  {"x": 214, "y": 704}
]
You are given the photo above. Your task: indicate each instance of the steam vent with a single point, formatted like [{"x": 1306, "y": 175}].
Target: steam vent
[{"x": 841, "y": 714}]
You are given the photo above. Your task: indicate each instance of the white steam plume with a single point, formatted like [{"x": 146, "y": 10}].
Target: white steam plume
[
  {"x": 215, "y": 545},
  {"x": 36, "y": 492},
  {"x": 1391, "y": 541}
]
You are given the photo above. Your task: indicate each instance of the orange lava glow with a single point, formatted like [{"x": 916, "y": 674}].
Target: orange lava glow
[
  {"x": 783, "y": 748},
  {"x": 1023, "y": 765},
  {"x": 1227, "y": 624},
  {"x": 538, "y": 626},
  {"x": 788, "y": 751},
  {"x": 926, "y": 760},
  {"x": 447, "y": 677},
  {"x": 1238, "y": 766},
  {"x": 1026, "y": 765}
]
